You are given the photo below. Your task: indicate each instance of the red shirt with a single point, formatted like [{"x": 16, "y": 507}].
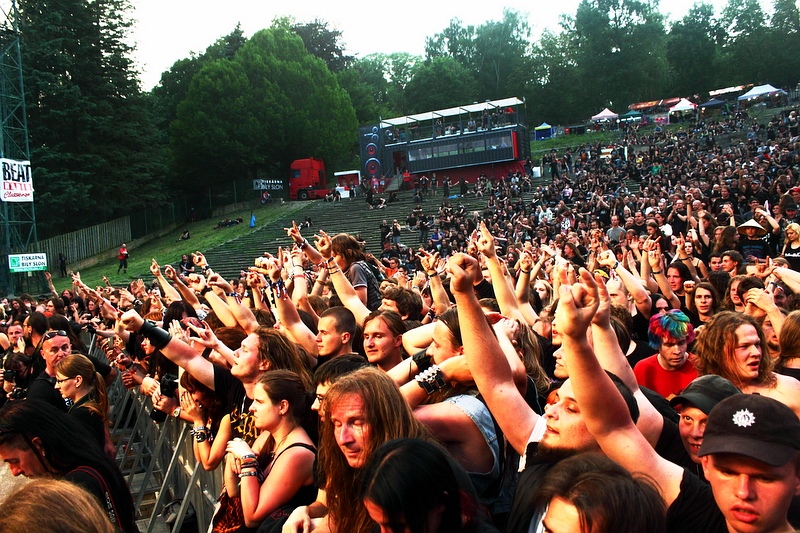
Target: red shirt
[{"x": 667, "y": 383}]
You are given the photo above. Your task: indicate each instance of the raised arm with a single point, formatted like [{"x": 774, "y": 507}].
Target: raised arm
[
  {"x": 438, "y": 294},
  {"x": 489, "y": 367},
  {"x": 344, "y": 289},
  {"x": 656, "y": 262},
  {"x": 503, "y": 290},
  {"x": 288, "y": 315},
  {"x": 632, "y": 284},
  {"x": 243, "y": 315},
  {"x": 186, "y": 293},
  {"x": 199, "y": 284},
  {"x": 601, "y": 405},
  {"x": 175, "y": 350},
  {"x": 170, "y": 293}
]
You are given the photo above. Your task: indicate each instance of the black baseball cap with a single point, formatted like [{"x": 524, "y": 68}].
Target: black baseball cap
[
  {"x": 754, "y": 426},
  {"x": 705, "y": 392}
]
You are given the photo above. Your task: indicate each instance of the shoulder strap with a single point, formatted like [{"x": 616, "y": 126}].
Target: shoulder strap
[
  {"x": 296, "y": 445},
  {"x": 111, "y": 506}
]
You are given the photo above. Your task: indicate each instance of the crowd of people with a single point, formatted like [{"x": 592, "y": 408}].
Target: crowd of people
[{"x": 589, "y": 360}]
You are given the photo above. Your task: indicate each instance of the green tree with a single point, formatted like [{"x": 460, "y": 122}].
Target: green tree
[
  {"x": 324, "y": 43},
  {"x": 456, "y": 41},
  {"x": 553, "y": 93},
  {"x": 784, "y": 44},
  {"x": 368, "y": 87},
  {"x": 495, "y": 52},
  {"x": 620, "y": 54},
  {"x": 94, "y": 149},
  {"x": 440, "y": 83},
  {"x": 691, "y": 52},
  {"x": 500, "y": 51},
  {"x": 174, "y": 83},
  {"x": 273, "y": 103},
  {"x": 744, "y": 43}
]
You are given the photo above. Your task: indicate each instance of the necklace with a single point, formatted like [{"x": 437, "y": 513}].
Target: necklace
[{"x": 272, "y": 455}]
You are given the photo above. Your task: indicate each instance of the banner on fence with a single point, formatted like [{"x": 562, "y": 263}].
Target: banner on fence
[
  {"x": 17, "y": 180},
  {"x": 27, "y": 262}
]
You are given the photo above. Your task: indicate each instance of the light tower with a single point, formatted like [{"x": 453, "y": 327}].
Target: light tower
[{"x": 18, "y": 219}]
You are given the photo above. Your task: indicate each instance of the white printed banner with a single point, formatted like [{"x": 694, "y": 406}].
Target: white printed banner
[{"x": 17, "y": 180}]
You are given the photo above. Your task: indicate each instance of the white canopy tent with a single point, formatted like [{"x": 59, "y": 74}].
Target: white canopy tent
[
  {"x": 760, "y": 90},
  {"x": 605, "y": 114},
  {"x": 683, "y": 105}
]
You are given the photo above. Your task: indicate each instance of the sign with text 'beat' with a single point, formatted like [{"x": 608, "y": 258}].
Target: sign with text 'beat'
[
  {"x": 27, "y": 262},
  {"x": 17, "y": 181}
]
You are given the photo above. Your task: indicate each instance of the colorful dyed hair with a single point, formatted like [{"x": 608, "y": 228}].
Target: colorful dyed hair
[{"x": 671, "y": 326}]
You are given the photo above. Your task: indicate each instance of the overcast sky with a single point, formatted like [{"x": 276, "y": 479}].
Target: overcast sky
[{"x": 168, "y": 30}]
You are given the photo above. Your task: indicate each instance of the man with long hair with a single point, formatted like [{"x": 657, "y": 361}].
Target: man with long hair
[
  {"x": 733, "y": 345},
  {"x": 362, "y": 411}
]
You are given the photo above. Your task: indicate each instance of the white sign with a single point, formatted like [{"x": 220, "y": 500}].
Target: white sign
[
  {"x": 17, "y": 180},
  {"x": 27, "y": 262}
]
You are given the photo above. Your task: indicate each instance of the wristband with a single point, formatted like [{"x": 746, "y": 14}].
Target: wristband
[
  {"x": 247, "y": 456},
  {"x": 616, "y": 264},
  {"x": 654, "y": 272},
  {"x": 158, "y": 337},
  {"x": 303, "y": 244},
  {"x": 204, "y": 291},
  {"x": 523, "y": 271},
  {"x": 431, "y": 380},
  {"x": 248, "y": 474}
]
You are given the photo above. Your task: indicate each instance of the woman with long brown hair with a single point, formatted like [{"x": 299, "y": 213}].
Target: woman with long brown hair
[{"x": 276, "y": 474}]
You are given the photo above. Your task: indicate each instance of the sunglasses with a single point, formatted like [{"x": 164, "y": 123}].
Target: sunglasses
[{"x": 55, "y": 333}]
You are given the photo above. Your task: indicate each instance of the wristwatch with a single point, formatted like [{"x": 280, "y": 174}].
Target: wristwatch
[{"x": 177, "y": 412}]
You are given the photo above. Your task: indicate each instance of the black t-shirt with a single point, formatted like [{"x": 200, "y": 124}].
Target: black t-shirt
[
  {"x": 694, "y": 509},
  {"x": 523, "y": 510},
  {"x": 236, "y": 403},
  {"x": 111, "y": 492},
  {"x": 670, "y": 447},
  {"x": 43, "y": 389}
]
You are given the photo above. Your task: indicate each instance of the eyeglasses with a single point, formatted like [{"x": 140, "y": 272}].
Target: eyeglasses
[
  {"x": 56, "y": 333},
  {"x": 59, "y": 381}
]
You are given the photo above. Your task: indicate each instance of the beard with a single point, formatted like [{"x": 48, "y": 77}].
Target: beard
[{"x": 552, "y": 454}]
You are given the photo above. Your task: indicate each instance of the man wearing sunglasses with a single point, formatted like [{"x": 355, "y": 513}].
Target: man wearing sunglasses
[{"x": 55, "y": 347}]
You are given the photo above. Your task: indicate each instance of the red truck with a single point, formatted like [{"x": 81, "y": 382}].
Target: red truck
[{"x": 307, "y": 179}]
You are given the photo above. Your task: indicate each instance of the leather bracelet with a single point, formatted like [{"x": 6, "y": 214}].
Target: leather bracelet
[
  {"x": 431, "y": 380},
  {"x": 158, "y": 337},
  {"x": 204, "y": 291},
  {"x": 654, "y": 272},
  {"x": 524, "y": 271},
  {"x": 422, "y": 360}
]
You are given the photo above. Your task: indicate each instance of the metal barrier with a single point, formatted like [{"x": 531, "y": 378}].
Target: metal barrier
[{"x": 158, "y": 461}]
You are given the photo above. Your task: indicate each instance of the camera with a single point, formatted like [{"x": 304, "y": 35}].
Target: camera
[
  {"x": 10, "y": 375},
  {"x": 169, "y": 386}
]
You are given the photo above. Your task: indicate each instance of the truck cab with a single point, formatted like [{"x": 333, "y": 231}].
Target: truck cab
[{"x": 307, "y": 179}]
